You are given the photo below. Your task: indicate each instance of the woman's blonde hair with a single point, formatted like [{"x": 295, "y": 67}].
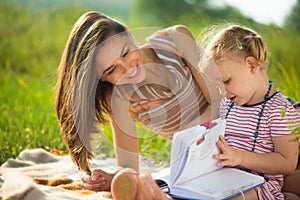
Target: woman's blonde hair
[
  {"x": 81, "y": 95},
  {"x": 240, "y": 41}
]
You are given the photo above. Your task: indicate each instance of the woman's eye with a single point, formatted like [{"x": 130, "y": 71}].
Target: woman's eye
[
  {"x": 125, "y": 52},
  {"x": 112, "y": 69}
]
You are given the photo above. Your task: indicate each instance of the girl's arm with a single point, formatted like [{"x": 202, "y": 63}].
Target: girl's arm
[{"x": 282, "y": 161}]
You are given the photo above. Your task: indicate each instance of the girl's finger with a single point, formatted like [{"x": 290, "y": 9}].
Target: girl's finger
[
  {"x": 222, "y": 146},
  {"x": 221, "y": 156},
  {"x": 222, "y": 139}
]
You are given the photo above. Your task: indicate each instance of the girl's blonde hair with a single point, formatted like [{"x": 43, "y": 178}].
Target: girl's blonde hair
[
  {"x": 81, "y": 95},
  {"x": 239, "y": 41}
]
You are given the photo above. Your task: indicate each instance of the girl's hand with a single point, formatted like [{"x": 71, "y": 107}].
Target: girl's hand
[
  {"x": 229, "y": 155},
  {"x": 98, "y": 180}
]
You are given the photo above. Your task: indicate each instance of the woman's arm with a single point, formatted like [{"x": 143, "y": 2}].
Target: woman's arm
[
  {"x": 125, "y": 134},
  {"x": 206, "y": 77},
  {"x": 186, "y": 44},
  {"x": 126, "y": 145}
]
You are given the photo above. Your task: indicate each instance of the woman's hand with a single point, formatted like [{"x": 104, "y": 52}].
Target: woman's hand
[
  {"x": 149, "y": 190},
  {"x": 229, "y": 155},
  {"x": 139, "y": 187},
  {"x": 98, "y": 180}
]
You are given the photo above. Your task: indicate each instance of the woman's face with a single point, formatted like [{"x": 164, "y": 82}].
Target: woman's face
[{"x": 119, "y": 61}]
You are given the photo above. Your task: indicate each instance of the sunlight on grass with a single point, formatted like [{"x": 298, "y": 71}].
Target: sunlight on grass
[{"x": 31, "y": 45}]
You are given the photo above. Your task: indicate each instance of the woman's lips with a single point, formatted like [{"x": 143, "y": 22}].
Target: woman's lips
[{"x": 135, "y": 72}]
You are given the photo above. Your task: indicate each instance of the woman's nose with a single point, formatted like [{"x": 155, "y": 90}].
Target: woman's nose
[{"x": 126, "y": 64}]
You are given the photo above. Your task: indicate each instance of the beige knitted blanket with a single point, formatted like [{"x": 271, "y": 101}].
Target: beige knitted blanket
[{"x": 38, "y": 174}]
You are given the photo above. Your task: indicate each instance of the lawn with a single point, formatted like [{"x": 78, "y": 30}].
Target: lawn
[{"x": 31, "y": 43}]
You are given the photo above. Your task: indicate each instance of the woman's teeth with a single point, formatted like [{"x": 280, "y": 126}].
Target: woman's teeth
[{"x": 134, "y": 72}]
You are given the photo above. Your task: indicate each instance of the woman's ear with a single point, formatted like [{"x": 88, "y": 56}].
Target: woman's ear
[{"x": 252, "y": 63}]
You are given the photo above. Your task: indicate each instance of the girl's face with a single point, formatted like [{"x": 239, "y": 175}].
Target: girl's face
[
  {"x": 239, "y": 78},
  {"x": 119, "y": 61}
]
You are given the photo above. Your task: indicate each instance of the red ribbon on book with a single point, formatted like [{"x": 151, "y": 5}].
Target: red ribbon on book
[
  {"x": 209, "y": 125},
  {"x": 200, "y": 140}
]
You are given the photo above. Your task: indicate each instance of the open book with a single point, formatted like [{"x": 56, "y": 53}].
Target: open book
[{"x": 193, "y": 170}]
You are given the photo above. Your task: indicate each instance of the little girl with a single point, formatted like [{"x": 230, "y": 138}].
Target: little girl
[{"x": 257, "y": 137}]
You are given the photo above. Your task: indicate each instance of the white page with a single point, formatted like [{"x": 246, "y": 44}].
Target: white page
[
  {"x": 218, "y": 184},
  {"x": 180, "y": 146},
  {"x": 200, "y": 148}
]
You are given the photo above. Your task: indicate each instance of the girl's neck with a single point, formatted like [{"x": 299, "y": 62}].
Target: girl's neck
[{"x": 259, "y": 96}]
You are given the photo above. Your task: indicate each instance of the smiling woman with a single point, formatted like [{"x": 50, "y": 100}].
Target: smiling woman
[
  {"x": 119, "y": 60},
  {"x": 104, "y": 76}
]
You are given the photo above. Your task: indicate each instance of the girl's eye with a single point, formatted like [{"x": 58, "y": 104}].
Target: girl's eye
[
  {"x": 125, "y": 52},
  {"x": 112, "y": 69},
  {"x": 226, "y": 81}
]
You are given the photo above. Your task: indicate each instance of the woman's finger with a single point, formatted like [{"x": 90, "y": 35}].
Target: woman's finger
[
  {"x": 95, "y": 187},
  {"x": 87, "y": 179},
  {"x": 98, "y": 175}
]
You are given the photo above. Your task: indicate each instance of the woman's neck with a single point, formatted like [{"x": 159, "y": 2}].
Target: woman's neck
[{"x": 156, "y": 72}]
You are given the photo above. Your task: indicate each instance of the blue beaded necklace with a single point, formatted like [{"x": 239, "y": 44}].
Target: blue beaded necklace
[{"x": 260, "y": 114}]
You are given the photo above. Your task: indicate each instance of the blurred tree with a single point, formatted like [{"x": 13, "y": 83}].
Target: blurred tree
[
  {"x": 293, "y": 19},
  {"x": 164, "y": 12},
  {"x": 169, "y": 12}
]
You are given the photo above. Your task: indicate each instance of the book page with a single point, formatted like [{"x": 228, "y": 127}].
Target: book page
[
  {"x": 196, "y": 158},
  {"x": 180, "y": 149},
  {"x": 223, "y": 183}
]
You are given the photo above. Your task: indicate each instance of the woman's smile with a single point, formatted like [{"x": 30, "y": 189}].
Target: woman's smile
[{"x": 135, "y": 72}]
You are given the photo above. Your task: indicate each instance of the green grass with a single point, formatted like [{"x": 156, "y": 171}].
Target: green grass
[
  {"x": 31, "y": 43},
  {"x": 30, "y": 48}
]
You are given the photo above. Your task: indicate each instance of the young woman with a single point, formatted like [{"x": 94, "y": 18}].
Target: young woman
[{"x": 104, "y": 76}]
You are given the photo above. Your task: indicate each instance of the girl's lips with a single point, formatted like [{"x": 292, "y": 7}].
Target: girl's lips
[
  {"x": 232, "y": 99},
  {"x": 135, "y": 72}
]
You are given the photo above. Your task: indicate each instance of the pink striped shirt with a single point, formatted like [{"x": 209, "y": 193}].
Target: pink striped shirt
[{"x": 241, "y": 126}]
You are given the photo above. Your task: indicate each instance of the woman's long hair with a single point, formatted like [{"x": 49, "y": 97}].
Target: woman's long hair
[{"x": 81, "y": 95}]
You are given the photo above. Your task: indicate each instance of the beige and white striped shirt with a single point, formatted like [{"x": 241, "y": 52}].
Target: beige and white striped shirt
[{"x": 166, "y": 110}]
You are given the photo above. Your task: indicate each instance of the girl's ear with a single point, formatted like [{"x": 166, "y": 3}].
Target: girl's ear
[{"x": 252, "y": 63}]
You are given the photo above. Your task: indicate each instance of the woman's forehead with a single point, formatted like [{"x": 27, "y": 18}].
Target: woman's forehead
[{"x": 111, "y": 49}]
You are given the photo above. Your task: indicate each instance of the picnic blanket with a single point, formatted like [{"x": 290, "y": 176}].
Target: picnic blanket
[{"x": 38, "y": 174}]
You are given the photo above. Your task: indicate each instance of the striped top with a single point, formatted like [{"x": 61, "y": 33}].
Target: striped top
[
  {"x": 241, "y": 125},
  {"x": 165, "y": 110}
]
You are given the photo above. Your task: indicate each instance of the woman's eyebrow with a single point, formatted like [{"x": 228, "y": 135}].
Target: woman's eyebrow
[
  {"x": 107, "y": 69},
  {"x": 123, "y": 49}
]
